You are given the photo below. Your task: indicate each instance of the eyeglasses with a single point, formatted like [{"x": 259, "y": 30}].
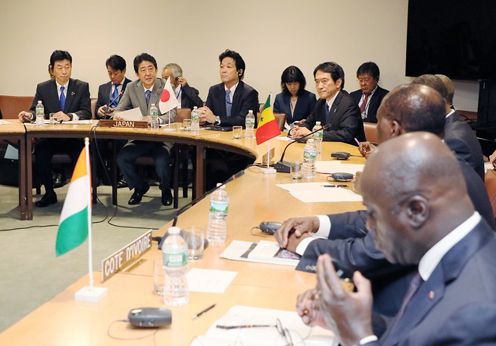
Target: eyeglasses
[{"x": 284, "y": 332}]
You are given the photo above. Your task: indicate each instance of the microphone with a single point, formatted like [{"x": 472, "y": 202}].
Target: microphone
[
  {"x": 194, "y": 201},
  {"x": 284, "y": 166}
]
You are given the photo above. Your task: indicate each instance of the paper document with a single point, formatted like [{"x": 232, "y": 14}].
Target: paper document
[
  {"x": 209, "y": 280},
  {"x": 320, "y": 192},
  {"x": 300, "y": 334},
  {"x": 338, "y": 167},
  {"x": 130, "y": 115},
  {"x": 12, "y": 153},
  {"x": 4, "y": 122},
  {"x": 261, "y": 252},
  {"x": 284, "y": 138},
  {"x": 488, "y": 166}
]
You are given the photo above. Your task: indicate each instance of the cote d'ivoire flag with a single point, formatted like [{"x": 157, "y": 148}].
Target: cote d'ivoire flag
[{"x": 267, "y": 126}]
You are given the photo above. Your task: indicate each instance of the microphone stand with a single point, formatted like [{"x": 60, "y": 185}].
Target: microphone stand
[{"x": 284, "y": 166}]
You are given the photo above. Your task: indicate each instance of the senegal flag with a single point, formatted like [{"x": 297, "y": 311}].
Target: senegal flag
[
  {"x": 74, "y": 220},
  {"x": 267, "y": 126}
]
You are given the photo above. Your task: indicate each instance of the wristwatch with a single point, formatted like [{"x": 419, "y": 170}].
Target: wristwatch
[{"x": 217, "y": 120}]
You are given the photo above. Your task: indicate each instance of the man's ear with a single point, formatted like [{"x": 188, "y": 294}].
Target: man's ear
[
  {"x": 396, "y": 129},
  {"x": 240, "y": 72},
  {"x": 417, "y": 211},
  {"x": 338, "y": 83}
]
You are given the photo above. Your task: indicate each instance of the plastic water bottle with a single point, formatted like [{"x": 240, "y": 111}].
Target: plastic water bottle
[
  {"x": 195, "y": 120},
  {"x": 249, "y": 125},
  {"x": 318, "y": 137},
  {"x": 154, "y": 123},
  {"x": 40, "y": 113},
  {"x": 175, "y": 256},
  {"x": 217, "y": 217},
  {"x": 309, "y": 157}
]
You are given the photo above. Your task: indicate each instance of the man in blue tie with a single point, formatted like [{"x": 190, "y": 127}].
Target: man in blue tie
[
  {"x": 69, "y": 100},
  {"x": 335, "y": 108}
]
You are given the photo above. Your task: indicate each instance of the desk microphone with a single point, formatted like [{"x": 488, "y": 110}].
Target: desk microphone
[
  {"x": 284, "y": 166},
  {"x": 194, "y": 201}
]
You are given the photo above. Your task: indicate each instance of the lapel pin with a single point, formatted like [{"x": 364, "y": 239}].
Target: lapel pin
[
  {"x": 73, "y": 93},
  {"x": 431, "y": 295}
]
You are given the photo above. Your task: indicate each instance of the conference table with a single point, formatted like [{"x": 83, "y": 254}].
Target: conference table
[
  {"x": 13, "y": 130},
  {"x": 254, "y": 197}
]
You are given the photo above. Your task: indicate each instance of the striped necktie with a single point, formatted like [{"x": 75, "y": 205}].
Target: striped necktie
[{"x": 228, "y": 103}]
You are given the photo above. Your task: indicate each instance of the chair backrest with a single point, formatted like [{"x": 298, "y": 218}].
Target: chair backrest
[
  {"x": 182, "y": 113},
  {"x": 10, "y": 106},
  {"x": 490, "y": 183},
  {"x": 280, "y": 117},
  {"x": 93, "y": 108},
  {"x": 370, "y": 132}
]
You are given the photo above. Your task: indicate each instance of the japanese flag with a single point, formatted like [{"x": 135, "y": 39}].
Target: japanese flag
[{"x": 168, "y": 98}]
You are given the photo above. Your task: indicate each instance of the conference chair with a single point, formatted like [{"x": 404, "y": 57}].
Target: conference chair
[
  {"x": 370, "y": 132},
  {"x": 490, "y": 183}
]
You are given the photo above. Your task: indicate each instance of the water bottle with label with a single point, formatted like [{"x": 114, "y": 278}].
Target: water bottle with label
[
  {"x": 318, "y": 137},
  {"x": 195, "y": 120},
  {"x": 309, "y": 157},
  {"x": 217, "y": 217},
  {"x": 250, "y": 125},
  {"x": 175, "y": 256},
  {"x": 40, "y": 113},
  {"x": 154, "y": 122}
]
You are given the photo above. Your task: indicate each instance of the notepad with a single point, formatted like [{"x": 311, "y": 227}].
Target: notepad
[{"x": 261, "y": 252}]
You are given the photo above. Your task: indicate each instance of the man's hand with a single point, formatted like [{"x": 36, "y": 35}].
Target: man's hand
[
  {"x": 308, "y": 308},
  {"x": 104, "y": 111},
  {"x": 296, "y": 226},
  {"x": 61, "y": 116},
  {"x": 350, "y": 311},
  {"x": 366, "y": 148},
  {"x": 183, "y": 81},
  {"x": 299, "y": 132},
  {"x": 25, "y": 117},
  {"x": 294, "y": 241},
  {"x": 206, "y": 115}
]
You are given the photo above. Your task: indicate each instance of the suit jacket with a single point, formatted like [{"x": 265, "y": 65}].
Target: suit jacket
[
  {"x": 77, "y": 99},
  {"x": 104, "y": 91},
  {"x": 461, "y": 139},
  {"x": 190, "y": 98},
  {"x": 375, "y": 102},
  {"x": 304, "y": 105},
  {"x": 457, "y": 304},
  {"x": 345, "y": 123},
  {"x": 244, "y": 99}
]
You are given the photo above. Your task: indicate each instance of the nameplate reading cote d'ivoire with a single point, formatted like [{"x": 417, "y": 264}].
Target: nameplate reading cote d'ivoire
[{"x": 123, "y": 123}]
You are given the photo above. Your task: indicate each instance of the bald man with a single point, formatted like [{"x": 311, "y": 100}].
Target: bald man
[
  {"x": 420, "y": 215},
  {"x": 407, "y": 108}
]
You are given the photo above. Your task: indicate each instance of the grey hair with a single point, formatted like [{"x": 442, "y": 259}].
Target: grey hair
[{"x": 176, "y": 70}]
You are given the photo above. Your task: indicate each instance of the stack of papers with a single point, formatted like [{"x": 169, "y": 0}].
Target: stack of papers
[
  {"x": 320, "y": 192},
  {"x": 328, "y": 167},
  {"x": 261, "y": 252},
  {"x": 256, "y": 336}
]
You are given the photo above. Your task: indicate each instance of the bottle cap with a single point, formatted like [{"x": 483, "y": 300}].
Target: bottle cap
[
  {"x": 317, "y": 123},
  {"x": 174, "y": 230}
]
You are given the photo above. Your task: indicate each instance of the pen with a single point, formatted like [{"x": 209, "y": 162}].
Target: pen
[
  {"x": 334, "y": 185},
  {"x": 357, "y": 141},
  {"x": 203, "y": 311}
]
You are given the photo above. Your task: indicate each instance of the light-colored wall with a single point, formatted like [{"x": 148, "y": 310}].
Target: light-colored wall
[{"x": 269, "y": 34}]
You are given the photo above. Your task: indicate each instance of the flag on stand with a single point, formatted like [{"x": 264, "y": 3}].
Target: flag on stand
[
  {"x": 74, "y": 220},
  {"x": 267, "y": 126},
  {"x": 168, "y": 100}
]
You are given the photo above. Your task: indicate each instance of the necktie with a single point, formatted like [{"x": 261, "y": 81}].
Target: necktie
[
  {"x": 327, "y": 114},
  {"x": 228, "y": 103},
  {"x": 114, "y": 98},
  {"x": 148, "y": 93},
  {"x": 62, "y": 98},
  {"x": 363, "y": 106}
]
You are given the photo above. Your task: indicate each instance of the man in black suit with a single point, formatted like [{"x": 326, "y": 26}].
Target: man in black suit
[
  {"x": 110, "y": 93},
  {"x": 424, "y": 218},
  {"x": 69, "y": 100},
  {"x": 227, "y": 105},
  {"x": 406, "y": 109},
  {"x": 370, "y": 95},
  {"x": 186, "y": 95},
  {"x": 335, "y": 108}
]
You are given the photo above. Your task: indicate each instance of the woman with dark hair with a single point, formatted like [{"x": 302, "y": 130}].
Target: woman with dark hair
[{"x": 294, "y": 101}]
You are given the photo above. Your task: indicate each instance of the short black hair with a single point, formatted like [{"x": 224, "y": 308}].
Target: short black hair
[
  {"x": 116, "y": 63},
  {"x": 143, "y": 57},
  {"x": 238, "y": 61},
  {"x": 334, "y": 69},
  {"x": 370, "y": 68},
  {"x": 59, "y": 55},
  {"x": 293, "y": 74}
]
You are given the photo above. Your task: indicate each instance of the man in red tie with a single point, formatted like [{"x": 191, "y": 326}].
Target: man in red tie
[{"x": 370, "y": 94}]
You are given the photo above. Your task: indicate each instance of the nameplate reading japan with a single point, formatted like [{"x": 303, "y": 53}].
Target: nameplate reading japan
[
  {"x": 123, "y": 123},
  {"x": 119, "y": 259}
]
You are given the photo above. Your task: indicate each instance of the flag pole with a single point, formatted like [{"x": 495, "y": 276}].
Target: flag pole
[
  {"x": 268, "y": 153},
  {"x": 90, "y": 205}
]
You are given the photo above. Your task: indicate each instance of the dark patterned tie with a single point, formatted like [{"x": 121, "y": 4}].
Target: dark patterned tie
[
  {"x": 363, "y": 106},
  {"x": 114, "y": 98},
  {"x": 148, "y": 93},
  {"x": 228, "y": 103}
]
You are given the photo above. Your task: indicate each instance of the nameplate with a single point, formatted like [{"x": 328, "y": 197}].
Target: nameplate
[
  {"x": 119, "y": 259},
  {"x": 123, "y": 123}
]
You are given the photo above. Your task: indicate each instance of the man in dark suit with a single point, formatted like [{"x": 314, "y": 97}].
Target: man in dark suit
[
  {"x": 142, "y": 93},
  {"x": 370, "y": 95},
  {"x": 421, "y": 217},
  {"x": 407, "y": 109},
  {"x": 69, "y": 100},
  {"x": 335, "y": 108},
  {"x": 186, "y": 95},
  {"x": 110, "y": 93},
  {"x": 227, "y": 105}
]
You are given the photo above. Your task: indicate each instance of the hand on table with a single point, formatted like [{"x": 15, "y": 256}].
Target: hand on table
[{"x": 296, "y": 226}]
